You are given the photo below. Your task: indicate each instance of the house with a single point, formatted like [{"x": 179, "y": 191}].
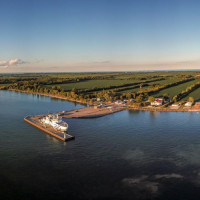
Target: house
[
  {"x": 110, "y": 108},
  {"x": 99, "y": 99},
  {"x": 118, "y": 102},
  {"x": 157, "y": 102},
  {"x": 131, "y": 100},
  {"x": 188, "y": 104},
  {"x": 175, "y": 105}
]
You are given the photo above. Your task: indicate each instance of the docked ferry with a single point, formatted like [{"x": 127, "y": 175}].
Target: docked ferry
[{"x": 56, "y": 122}]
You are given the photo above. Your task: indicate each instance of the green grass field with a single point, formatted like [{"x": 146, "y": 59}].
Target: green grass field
[
  {"x": 103, "y": 80},
  {"x": 104, "y": 83},
  {"x": 162, "y": 82},
  {"x": 167, "y": 81},
  {"x": 91, "y": 84},
  {"x": 195, "y": 94},
  {"x": 172, "y": 91}
]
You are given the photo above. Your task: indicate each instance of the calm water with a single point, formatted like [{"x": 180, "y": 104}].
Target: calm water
[{"x": 127, "y": 155}]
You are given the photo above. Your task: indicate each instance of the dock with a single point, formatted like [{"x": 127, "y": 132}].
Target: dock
[
  {"x": 87, "y": 112},
  {"x": 92, "y": 111},
  {"x": 35, "y": 121}
]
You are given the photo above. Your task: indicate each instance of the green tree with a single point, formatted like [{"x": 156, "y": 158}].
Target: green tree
[
  {"x": 191, "y": 99},
  {"x": 166, "y": 96},
  {"x": 151, "y": 99},
  {"x": 139, "y": 99}
]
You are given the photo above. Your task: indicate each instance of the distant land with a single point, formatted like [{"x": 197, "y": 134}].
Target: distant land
[
  {"x": 153, "y": 90},
  {"x": 132, "y": 71}
]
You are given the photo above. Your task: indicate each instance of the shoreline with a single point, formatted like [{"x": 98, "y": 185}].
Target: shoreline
[
  {"x": 151, "y": 109},
  {"x": 52, "y": 96},
  {"x": 164, "y": 110}
]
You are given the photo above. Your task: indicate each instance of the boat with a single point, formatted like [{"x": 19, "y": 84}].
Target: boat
[{"x": 56, "y": 122}]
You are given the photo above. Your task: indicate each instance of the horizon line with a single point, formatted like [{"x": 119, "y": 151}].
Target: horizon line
[{"x": 133, "y": 71}]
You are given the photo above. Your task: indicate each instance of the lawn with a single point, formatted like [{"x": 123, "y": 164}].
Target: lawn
[
  {"x": 91, "y": 84},
  {"x": 172, "y": 91},
  {"x": 195, "y": 94},
  {"x": 162, "y": 82}
]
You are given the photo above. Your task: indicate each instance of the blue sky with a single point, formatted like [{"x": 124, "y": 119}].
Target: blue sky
[{"x": 99, "y": 35}]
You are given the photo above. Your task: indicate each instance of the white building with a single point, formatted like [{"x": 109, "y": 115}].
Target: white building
[
  {"x": 157, "y": 102},
  {"x": 175, "y": 105},
  {"x": 118, "y": 102},
  {"x": 188, "y": 104},
  {"x": 99, "y": 99}
]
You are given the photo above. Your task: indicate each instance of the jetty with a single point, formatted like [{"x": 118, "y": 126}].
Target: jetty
[
  {"x": 35, "y": 121},
  {"x": 92, "y": 111},
  {"x": 87, "y": 112}
]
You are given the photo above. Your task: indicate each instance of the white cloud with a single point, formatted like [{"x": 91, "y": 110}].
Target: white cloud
[
  {"x": 12, "y": 62},
  {"x": 3, "y": 63}
]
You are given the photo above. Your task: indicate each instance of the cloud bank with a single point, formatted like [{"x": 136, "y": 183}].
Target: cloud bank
[{"x": 12, "y": 62}]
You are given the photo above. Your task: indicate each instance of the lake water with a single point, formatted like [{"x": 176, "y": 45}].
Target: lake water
[{"x": 127, "y": 155}]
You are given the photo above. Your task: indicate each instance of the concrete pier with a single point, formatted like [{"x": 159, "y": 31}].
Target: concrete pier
[
  {"x": 92, "y": 111},
  {"x": 35, "y": 121},
  {"x": 87, "y": 112}
]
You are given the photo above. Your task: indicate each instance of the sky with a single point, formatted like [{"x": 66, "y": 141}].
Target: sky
[{"x": 99, "y": 35}]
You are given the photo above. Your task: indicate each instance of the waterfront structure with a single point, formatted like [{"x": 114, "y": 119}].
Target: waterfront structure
[
  {"x": 157, "y": 102},
  {"x": 56, "y": 122},
  {"x": 119, "y": 102},
  {"x": 188, "y": 104}
]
